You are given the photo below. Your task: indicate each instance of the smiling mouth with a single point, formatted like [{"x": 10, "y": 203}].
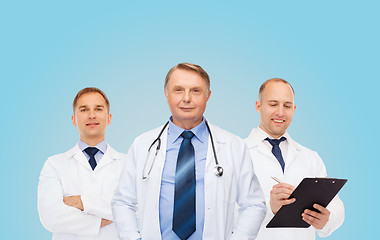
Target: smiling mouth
[
  {"x": 92, "y": 124},
  {"x": 278, "y": 121},
  {"x": 186, "y": 109}
]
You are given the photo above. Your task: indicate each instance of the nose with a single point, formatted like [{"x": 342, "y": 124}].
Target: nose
[
  {"x": 186, "y": 96},
  {"x": 91, "y": 114},
  {"x": 280, "y": 111}
]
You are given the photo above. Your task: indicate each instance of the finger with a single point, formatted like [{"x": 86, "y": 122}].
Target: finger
[
  {"x": 281, "y": 190},
  {"x": 280, "y": 196},
  {"x": 323, "y": 210},
  {"x": 309, "y": 219},
  {"x": 315, "y": 222},
  {"x": 312, "y": 213},
  {"x": 286, "y": 202},
  {"x": 68, "y": 197},
  {"x": 289, "y": 201},
  {"x": 284, "y": 185}
]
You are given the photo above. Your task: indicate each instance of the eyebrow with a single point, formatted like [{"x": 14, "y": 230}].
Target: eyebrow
[
  {"x": 276, "y": 101},
  {"x": 86, "y": 106},
  {"x": 195, "y": 87}
]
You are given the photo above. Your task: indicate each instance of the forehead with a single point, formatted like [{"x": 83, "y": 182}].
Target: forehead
[
  {"x": 92, "y": 98},
  {"x": 278, "y": 91},
  {"x": 186, "y": 78}
]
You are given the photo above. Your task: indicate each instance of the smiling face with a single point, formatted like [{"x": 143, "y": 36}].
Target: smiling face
[
  {"x": 187, "y": 94},
  {"x": 276, "y": 108},
  {"x": 91, "y": 117}
]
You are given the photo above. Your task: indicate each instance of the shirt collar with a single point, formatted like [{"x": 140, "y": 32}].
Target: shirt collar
[
  {"x": 102, "y": 146},
  {"x": 262, "y": 135},
  {"x": 174, "y": 132}
]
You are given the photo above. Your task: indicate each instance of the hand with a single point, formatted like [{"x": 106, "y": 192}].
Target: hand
[
  {"x": 279, "y": 196},
  {"x": 105, "y": 222},
  {"x": 74, "y": 201},
  {"x": 315, "y": 219}
]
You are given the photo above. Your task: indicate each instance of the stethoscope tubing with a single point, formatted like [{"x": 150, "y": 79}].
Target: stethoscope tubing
[{"x": 218, "y": 168}]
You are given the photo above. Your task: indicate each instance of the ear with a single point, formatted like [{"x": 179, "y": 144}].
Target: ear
[
  {"x": 109, "y": 119},
  {"x": 166, "y": 92},
  {"x": 208, "y": 95},
  {"x": 73, "y": 120},
  {"x": 258, "y": 105},
  {"x": 294, "y": 106}
]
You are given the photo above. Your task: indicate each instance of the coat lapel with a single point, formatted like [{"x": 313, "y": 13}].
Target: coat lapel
[
  {"x": 109, "y": 156},
  {"x": 80, "y": 157},
  {"x": 293, "y": 151},
  {"x": 264, "y": 150},
  {"x": 253, "y": 141}
]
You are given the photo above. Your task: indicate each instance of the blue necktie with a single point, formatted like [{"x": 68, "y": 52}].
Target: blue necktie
[
  {"x": 184, "y": 193},
  {"x": 91, "y": 151},
  {"x": 277, "y": 151}
]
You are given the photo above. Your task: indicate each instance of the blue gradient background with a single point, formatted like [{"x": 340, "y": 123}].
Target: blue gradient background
[{"x": 328, "y": 50}]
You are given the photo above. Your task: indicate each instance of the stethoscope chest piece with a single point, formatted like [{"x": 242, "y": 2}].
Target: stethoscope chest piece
[{"x": 218, "y": 171}]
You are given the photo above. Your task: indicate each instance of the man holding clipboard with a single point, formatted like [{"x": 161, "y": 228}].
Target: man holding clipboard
[{"x": 275, "y": 154}]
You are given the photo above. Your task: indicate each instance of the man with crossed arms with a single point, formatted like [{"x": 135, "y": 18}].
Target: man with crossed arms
[{"x": 76, "y": 187}]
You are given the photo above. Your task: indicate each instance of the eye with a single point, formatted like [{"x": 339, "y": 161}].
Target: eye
[
  {"x": 99, "y": 109},
  {"x": 288, "y": 106},
  {"x": 83, "y": 110}
]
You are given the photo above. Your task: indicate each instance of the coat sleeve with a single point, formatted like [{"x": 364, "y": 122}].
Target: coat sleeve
[
  {"x": 124, "y": 202},
  {"x": 96, "y": 203},
  {"x": 57, "y": 217},
  {"x": 335, "y": 207},
  {"x": 250, "y": 199}
]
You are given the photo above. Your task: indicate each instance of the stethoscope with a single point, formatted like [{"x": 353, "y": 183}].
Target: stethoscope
[{"x": 218, "y": 169}]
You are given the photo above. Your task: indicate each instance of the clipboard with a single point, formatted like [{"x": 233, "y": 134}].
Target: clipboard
[{"x": 308, "y": 192}]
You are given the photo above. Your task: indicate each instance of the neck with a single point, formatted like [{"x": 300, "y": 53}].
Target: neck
[
  {"x": 187, "y": 125},
  {"x": 270, "y": 134},
  {"x": 92, "y": 142}
]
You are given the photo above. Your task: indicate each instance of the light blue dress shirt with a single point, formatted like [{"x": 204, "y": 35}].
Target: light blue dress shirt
[
  {"x": 200, "y": 143},
  {"x": 102, "y": 146}
]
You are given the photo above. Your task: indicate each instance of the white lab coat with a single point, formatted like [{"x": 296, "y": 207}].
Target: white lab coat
[
  {"x": 69, "y": 174},
  {"x": 136, "y": 203},
  {"x": 300, "y": 163}
]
